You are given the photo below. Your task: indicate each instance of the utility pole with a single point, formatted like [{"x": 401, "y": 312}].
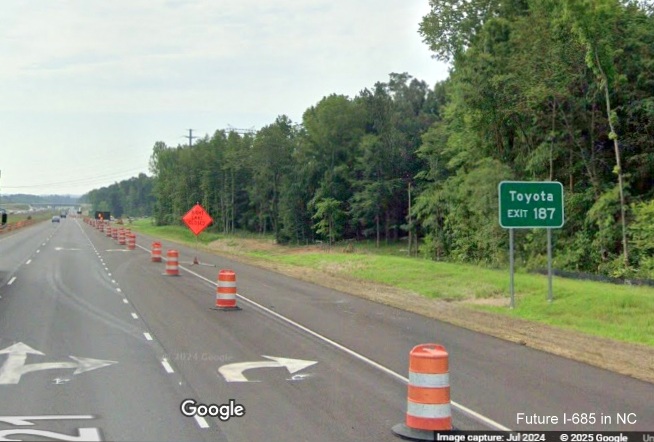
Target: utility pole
[{"x": 190, "y": 137}]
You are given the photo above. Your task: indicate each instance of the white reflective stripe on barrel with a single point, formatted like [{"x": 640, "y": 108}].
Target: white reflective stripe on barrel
[
  {"x": 227, "y": 283},
  {"x": 428, "y": 410},
  {"x": 429, "y": 380},
  {"x": 225, "y": 295}
]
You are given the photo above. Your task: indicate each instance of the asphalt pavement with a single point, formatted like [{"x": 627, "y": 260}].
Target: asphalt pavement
[{"x": 126, "y": 345}]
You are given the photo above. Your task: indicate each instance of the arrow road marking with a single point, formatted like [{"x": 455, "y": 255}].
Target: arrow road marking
[
  {"x": 85, "y": 434},
  {"x": 234, "y": 372},
  {"x": 14, "y": 367},
  {"x": 479, "y": 417},
  {"x": 24, "y": 421}
]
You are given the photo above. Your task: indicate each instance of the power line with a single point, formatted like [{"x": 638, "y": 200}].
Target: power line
[
  {"x": 240, "y": 131},
  {"x": 88, "y": 180}
]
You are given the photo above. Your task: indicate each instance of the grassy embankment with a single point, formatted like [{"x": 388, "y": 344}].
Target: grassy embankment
[
  {"x": 620, "y": 312},
  {"x": 14, "y": 219}
]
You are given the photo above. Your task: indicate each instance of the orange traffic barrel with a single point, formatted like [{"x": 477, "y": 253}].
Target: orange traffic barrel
[
  {"x": 114, "y": 233},
  {"x": 172, "y": 263},
  {"x": 131, "y": 241},
  {"x": 121, "y": 237},
  {"x": 428, "y": 401},
  {"x": 226, "y": 291},
  {"x": 107, "y": 230},
  {"x": 155, "y": 253}
]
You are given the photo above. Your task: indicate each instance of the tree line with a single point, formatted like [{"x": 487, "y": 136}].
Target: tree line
[
  {"x": 132, "y": 197},
  {"x": 538, "y": 90}
]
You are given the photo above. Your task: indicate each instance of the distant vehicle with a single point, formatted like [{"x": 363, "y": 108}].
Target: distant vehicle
[
  {"x": 55, "y": 219},
  {"x": 63, "y": 214}
]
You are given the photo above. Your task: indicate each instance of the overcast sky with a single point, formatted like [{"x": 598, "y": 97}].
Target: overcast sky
[{"x": 88, "y": 86}]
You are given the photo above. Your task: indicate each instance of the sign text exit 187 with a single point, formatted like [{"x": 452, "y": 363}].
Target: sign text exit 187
[{"x": 531, "y": 204}]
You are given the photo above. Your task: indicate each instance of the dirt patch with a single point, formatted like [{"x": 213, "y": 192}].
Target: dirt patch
[
  {"x": 628, "y": 359},
  {"x": 493, "y": 302},
  {"x": 243, "y": 245}
]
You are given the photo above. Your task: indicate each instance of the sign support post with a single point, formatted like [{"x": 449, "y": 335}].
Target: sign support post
[
  {"x": 511, "y": 286},
  {"x": 531, "y": 205},
  {"x": 549, "y": 265}
]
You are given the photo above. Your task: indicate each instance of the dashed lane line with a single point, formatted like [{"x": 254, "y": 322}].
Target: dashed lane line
[
  {"x": 167, "y": 366},
  {"x": 202, "y": 422},
  {"x": 481, "y": 418}
]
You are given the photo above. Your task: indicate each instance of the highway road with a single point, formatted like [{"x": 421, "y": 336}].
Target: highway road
[{"x": 96, "y": 343}]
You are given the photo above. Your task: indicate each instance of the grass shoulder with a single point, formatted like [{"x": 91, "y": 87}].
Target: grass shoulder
[{"x": 616, "y": 312}]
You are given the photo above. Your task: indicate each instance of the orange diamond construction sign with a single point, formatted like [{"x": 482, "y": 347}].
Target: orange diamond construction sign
[{"x": 197, "y": 219}]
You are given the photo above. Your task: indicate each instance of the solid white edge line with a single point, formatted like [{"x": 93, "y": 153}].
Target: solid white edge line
[
  {"x": 362, "y": 358},
  {"x": 166, "y": 366},
  {"x": 368, "y": 361},
  {"x": 148, "y": 336},
  {"x": 202, "y": 422},
  {"x": 11, "y": 281}
]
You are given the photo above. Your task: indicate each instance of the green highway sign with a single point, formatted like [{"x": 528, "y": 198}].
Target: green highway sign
[{"x": 531, "y": 204}]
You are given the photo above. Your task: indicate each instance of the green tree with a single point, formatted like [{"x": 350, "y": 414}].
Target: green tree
[{"x": 328, "y": 213}]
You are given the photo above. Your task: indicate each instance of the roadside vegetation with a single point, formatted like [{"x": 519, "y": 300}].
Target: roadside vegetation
[
  {"x": 15, "y": 218},
  {"x": 538, "y": 91},
  {"x": 619, "y": 312}
]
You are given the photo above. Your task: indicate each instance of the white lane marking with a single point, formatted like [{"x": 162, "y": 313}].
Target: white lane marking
[
  {"x": 166, "y": 366},
  {"x": 43, "y": 244},
  {"x": 147, "y": 336},
  {"x": 135, "y": 316},
  {"x": 23, "y": 421},
  {"x": 125, "y": 301},
  {"x": 362, "y": 358},
  {"x": 28, "y": 261},
  {"x": 108, "y": 273},
  {"x": 202, "y": 422},
  {"x": 351, "y": 352},
  {"x": 113, "y": 281},
  {"x": 11, "y": 281},
  {"x": 234, "y": 372},
  {"x": 38, "y": 250},
  {"x": 87, "y": 434},
  {"x": 14, "y": 366},
  {"x": 118, "y": 290}
]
